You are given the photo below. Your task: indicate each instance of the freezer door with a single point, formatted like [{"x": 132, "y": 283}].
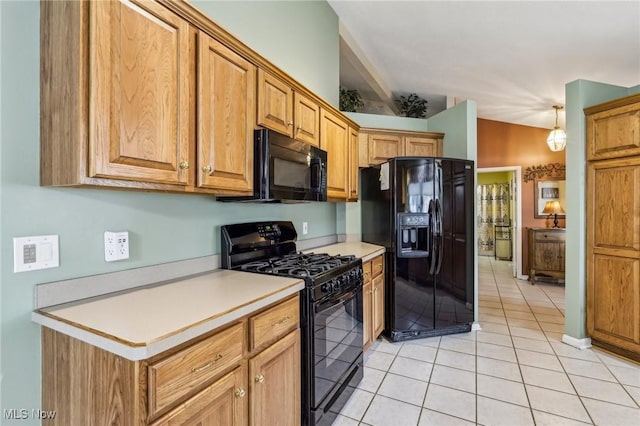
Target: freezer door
[{"x": 413, "y": 295}]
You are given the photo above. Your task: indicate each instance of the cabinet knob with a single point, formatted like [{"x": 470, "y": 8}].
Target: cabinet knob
[
  {"x": 240, "y": 393},
  {"x": 289, "y": 123},
  {"x": 299, "y": 127},
  {"x": 260, "y": 378},
  {"x": 207, "y": 168},
  {"x": 184, "y": 165}
]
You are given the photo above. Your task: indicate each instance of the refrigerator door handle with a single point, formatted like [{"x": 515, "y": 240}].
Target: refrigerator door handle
[
  {"x": 432, "y": 237},
  {"x": 440, "y": 237}
]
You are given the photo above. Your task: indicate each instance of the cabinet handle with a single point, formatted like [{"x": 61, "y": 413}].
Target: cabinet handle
[
  {"x": 207, "y": 365},
  {"x": 289, "y": 123},
  {"x": 260, "y": 378},
  {"x": 184, "y": 165},
  {"x": 299, "y": 127},
  {"x": 207, "y": 168},
  {"x": 282, "y": 321},
  {"x": 240, "y": 393}
]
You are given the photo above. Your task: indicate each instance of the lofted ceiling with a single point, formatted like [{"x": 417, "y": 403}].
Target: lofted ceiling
[{"x": 513, "y": 58}]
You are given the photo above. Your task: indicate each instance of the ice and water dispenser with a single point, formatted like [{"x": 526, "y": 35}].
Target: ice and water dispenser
[
  {"x": 413, "y": 232},
  {"x": 413, "y": 235}
]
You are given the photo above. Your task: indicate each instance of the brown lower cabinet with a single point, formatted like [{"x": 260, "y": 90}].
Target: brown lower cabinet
[
  {"x": 373, "y": 300},
  {"x": 219, "y": 379}
]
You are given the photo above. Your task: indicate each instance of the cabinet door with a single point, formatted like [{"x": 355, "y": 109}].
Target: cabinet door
[
  {"x": 306, "y": 119},
  {"x": 614, "y": 133},
  {"x": 275, "y": 104},
  {"x": 353, "y": 164},
  {"x": 140, "y": 99},
  {"x": 383, "y": 146},
  {"x": 421, "y": 147},
  {"x": 377, "y": 284},
  {"x": 223, "y": 403},
  {"x": 274, "y": 383},
  {"x": 367, "y": 315},
  {"x": 547, "y": 256},
  {"x": 226, "y": 105},
  {"x": 613, "y": 253},
  {"x": 334, "y": 138}
]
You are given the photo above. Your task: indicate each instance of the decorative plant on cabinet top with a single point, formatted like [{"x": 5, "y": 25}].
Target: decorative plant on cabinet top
[{"x": 413, "y": 106}]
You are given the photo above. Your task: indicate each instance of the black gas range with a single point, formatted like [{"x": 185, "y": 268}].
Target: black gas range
[{"x": 330, "y": 309}]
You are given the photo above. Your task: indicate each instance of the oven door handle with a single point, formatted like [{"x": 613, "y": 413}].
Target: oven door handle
[{"x": 323, "y": 306}]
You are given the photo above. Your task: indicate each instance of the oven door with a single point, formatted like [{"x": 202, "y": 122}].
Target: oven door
[{"x": 337, "y": 340}]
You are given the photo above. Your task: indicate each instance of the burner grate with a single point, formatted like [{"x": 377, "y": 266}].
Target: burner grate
[{"x": 300, "y": 265}]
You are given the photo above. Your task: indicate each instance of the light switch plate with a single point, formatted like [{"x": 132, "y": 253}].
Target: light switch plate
[{"x": 33, "y": 253}]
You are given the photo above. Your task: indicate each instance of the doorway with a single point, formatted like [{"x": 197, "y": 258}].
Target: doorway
[{"x": 511, "y": 178}]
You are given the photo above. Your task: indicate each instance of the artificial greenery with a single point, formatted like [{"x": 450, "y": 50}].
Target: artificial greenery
[
  {"x": 413, "y": 106},
  {"x": 350, "y": 99}
]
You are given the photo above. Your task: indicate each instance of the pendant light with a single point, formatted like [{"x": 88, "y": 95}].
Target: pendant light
[{"x": 557, "y": 139}]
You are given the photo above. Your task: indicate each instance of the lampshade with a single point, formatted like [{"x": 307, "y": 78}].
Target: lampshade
[
  {"x": 557, "y": 139},
  {"x": 553, "y": 207}
]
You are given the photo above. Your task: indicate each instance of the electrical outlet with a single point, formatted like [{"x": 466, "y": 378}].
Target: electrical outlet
[
  {"x": 305, "y": 228},
  {"x": 116, "y": 246}
]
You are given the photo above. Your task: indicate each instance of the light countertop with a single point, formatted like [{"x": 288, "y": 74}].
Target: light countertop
[
  {"x": 365, "y": 251},
  {"x": 144, "y": 322}
]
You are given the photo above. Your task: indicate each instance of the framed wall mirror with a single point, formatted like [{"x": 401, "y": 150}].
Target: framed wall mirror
[{"x": 548, "y": 190}]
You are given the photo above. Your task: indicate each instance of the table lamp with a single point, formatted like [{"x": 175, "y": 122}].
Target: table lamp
[{"x": 553, "y": 208}]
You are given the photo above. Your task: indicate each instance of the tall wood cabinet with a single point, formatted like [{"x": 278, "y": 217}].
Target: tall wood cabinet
[{"x": 613, "y": 225}]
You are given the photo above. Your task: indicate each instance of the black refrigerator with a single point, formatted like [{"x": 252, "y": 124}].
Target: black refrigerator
[{"x": 421, "y": 210}]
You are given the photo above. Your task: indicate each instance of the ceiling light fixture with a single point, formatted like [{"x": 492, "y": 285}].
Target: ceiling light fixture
[{"x": 557, "y": 139}]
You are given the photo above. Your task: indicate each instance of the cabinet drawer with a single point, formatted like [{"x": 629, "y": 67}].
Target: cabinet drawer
[
  {"x": 549, "y": 236},
  {"x": 366, "y": 272},
  {"x": 185, "y": 371},
  {"x": 376, "y": 266},
  {"x": 274, "y": 322}
]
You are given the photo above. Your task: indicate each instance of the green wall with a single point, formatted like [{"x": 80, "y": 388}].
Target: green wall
[
  {"x": 579, "y": 94},
  {"x": 494, "y": 177},
  {"x": 300, "y": 37},
  {"x": 163, "y": 227}
]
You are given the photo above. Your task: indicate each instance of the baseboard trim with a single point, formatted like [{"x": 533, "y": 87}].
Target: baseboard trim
[{"x": 584, "y": 343}]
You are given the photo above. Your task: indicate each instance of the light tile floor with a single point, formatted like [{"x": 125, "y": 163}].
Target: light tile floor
[{"x": 515, "y": 371}]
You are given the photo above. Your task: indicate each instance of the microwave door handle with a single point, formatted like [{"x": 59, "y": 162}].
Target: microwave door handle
[{"x": 316, "y": 174}]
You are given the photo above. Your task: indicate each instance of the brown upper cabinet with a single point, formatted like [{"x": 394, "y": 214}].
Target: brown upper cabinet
[
  {"x": 613, "y": 129},
  {"x": 286, "y": 111},
  {"x": 334, "y": 138},
  {"x": 152, "y": 95},
  {"x": 121, "y": 108},
  {"x": 353, "y": 164},
  {"x": 377, "y": 145},
  {"x": 226, "y": 108}
]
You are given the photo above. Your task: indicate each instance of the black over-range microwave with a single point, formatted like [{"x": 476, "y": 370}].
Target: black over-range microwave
[{"x": 286, "y": 170}]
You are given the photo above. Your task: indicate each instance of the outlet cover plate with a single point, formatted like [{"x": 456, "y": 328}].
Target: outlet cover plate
[
  {"x": 32, "y": 253},
  {"x": 116, "y": 246}
]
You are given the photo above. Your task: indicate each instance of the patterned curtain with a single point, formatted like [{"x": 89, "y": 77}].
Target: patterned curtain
[{"x": 493, "y": 209}]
